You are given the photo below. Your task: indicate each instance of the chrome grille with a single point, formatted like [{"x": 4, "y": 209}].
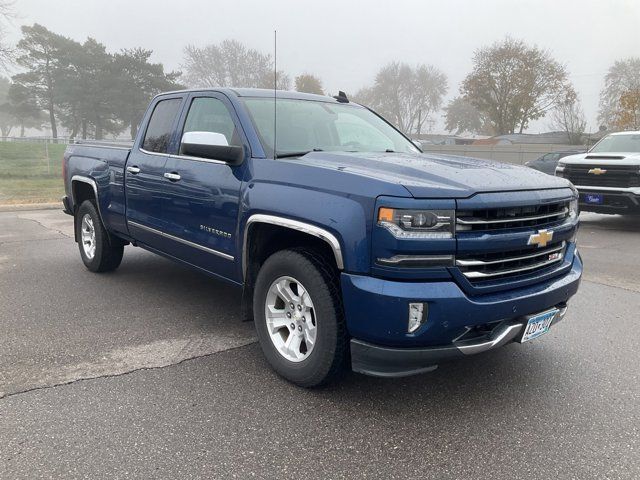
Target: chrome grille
[
  {"x": 498, "y": 265},
  {"x": 492, "y": 219}
]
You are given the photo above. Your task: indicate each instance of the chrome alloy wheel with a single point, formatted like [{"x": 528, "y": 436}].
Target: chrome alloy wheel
[
  {"x": 88, "y": 236},
  {"x": 291, "y": 319}
]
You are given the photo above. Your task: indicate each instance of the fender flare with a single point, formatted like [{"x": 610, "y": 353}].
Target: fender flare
[{"x": 303, "y": 227}]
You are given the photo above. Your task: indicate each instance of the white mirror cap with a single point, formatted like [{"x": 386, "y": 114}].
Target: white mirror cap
[{"x": 205, "y": 138}]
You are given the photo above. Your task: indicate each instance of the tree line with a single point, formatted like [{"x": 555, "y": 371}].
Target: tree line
[{"x": 92, "y": 92}]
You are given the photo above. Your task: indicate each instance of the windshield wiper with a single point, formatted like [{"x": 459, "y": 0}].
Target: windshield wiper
[{"x": 296, "y": 154}]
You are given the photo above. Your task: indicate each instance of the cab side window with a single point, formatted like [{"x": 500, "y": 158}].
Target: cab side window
[
  {"x": 208, "y": 114},
  {"x": 158, "y": 134}
]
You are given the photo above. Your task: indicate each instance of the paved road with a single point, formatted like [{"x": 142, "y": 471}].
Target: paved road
[{"x": 149, "y": 372}]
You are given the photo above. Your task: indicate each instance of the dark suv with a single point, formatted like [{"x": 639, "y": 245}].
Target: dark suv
[{"x": 548, "y": 162}]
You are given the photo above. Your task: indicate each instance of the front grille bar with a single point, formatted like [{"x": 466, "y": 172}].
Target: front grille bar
[
  {"x": 474, "y": 263},
  {"x": 474, "y": 221},
  {"x": 511, "y": 271}
]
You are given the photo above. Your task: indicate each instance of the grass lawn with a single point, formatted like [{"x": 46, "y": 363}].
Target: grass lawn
[
  {"x": 15, "y": 190},
  {"x": 30, "y": 172}
]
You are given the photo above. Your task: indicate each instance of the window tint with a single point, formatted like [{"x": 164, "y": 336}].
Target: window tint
[
  {"x": 159, "y": 130},
  {"x": 208, "y": 114}
]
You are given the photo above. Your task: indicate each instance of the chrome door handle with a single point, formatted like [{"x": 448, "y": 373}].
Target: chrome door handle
[
  {"x": 174, "y": 177},
  {"x": 134, "y": 170}
]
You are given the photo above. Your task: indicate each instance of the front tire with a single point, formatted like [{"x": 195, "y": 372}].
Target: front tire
[
  {"x": 99, "y": 252},
  {"x": 298, "y": 317}
]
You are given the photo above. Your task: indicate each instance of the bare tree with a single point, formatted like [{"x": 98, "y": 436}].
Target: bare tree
[
  {"x": 6, "y": 51},
  {"x": 407, "y": 96},
  {"x": 230, "y": 64},
  {"x": 461, "y": 116},
  {"x": 512, "y": 84},
  {"x": 623, "y": 77},
  {"x": 568, "y": 117}
]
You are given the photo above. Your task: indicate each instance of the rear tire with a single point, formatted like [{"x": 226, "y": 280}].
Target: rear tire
[
  {"x": 98, "y": 250},
  {"x": 299, "y": 318}
]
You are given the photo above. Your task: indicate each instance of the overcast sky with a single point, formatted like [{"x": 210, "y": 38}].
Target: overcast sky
[{"x": 346, "y": 42}]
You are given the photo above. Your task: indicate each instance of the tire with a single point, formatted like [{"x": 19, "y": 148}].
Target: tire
[
  {"x": 107, "y": 251},
  {"x": 305, "y": 271}
]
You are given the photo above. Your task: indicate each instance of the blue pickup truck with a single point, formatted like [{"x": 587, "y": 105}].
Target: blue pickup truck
[{"x": 352, "y": 247}]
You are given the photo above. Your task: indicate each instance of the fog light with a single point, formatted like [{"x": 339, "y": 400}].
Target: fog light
[{"x": 417, "y": 315}]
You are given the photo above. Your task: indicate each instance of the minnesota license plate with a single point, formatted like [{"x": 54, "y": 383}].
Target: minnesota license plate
[
  {"x": 538, "y": 325},
  {"x": 593, "y": 198}
]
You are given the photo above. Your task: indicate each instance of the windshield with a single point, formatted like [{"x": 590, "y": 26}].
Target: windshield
[
  {"x": 305, "y": 126},
  {"x": 626, "y": 143}
]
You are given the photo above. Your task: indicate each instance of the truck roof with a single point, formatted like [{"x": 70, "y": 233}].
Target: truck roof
[
  {"x": 260, "y": 92},
  {"x": 629, "y": 132}
]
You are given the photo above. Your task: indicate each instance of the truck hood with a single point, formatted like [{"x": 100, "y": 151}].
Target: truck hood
[
  {"x": 436, "y": 176},
  {"x": 613, "y": 158}
]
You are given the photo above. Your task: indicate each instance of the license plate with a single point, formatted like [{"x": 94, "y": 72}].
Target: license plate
[
  {"x": 538, "y": 325},
  {"x": 593, "y": 198}
]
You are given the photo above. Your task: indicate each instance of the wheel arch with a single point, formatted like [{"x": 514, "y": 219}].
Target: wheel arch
[
  {"x": 283, "y": 223},
  {"x": 84, "y": 188}
]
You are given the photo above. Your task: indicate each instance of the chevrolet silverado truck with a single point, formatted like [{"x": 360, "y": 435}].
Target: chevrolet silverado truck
[
  {"x": 352, "y": 247},
  {"x": 608, "y": 175}
]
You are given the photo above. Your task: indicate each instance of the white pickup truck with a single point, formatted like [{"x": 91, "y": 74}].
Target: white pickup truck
[{"x": 608, "y": 175}]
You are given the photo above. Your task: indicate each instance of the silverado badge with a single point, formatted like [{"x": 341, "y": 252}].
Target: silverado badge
[
  {"x": 541, "y": 239},
  {"x": 597, "y": 171}
]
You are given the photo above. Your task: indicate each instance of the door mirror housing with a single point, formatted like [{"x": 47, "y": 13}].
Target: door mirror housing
[{"x": 211, "y": 145}]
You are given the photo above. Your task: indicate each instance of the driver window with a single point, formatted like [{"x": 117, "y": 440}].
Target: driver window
[{"x": 207, "y": 114}]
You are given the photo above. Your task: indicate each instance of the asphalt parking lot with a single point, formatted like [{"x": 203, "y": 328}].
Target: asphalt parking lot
[{"x": 149, "y": 372}]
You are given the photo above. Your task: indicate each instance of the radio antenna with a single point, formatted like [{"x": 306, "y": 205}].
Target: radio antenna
[{"x": 275, "y": 93}]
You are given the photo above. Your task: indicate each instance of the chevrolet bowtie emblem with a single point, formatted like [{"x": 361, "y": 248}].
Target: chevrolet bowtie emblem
[
  {"x": 597, "y": 171},
  {"x": 541, "y": 238}
]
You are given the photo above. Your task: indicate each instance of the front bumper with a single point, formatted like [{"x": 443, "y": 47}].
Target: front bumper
[
  {"x": 377, "y": 309},
  {"x": 379, "y": 361},
  {"x": 616, "y": 200}
]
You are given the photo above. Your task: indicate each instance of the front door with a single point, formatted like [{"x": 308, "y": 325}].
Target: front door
[{"x": 203, "y": 194}]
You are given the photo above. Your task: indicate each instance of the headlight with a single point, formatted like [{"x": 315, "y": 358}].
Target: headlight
[
  {"x": 418, "y": 223},
  {"x": 559, "y": 170},
  {"x": 574, "y": 210}
]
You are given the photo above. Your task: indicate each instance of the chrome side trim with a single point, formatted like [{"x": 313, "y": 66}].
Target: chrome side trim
[
  {"x": 183, "y": 157},
  {"x": 505, "y": 335},
  {"x": 294, "y": 225},
  {"x": 564, "y": 211},
  {"x": 180, "y": 240},
  {"x": 472, "y": 263}
]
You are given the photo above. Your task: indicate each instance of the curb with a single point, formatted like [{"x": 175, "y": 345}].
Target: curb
[{"x": 20, "y": 207}]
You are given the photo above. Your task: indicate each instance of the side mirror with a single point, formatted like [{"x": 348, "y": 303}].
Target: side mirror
[{"x": 211, "y": 145}]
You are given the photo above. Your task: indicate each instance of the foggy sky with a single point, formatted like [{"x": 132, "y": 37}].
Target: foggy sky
[{"x": 345, "y": 42}]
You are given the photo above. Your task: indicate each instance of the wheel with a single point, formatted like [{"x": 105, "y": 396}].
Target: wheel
[
  {"x": 298, "y": 316},
  {"x": 99, "y": 252}
]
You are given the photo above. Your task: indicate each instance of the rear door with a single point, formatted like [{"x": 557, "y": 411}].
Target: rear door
[
  {"x": 145, "y": 183},
  {"x": 203, "y": 194}
]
